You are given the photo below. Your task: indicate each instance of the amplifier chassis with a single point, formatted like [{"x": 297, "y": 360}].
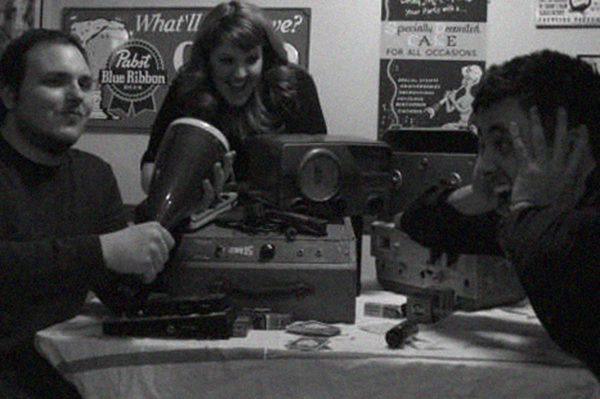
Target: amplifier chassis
[
  {"x": 308, "y": 277},
  {"x": 475, "y": 281}
]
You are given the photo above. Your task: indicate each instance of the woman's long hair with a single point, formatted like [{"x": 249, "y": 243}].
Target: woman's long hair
[{"x": 246, "y": 27}]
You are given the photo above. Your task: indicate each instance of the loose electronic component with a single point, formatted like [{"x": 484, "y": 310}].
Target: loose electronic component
[
  {"x": 226, "y": 202},
  {"x": 313, "y": 328},
  {"x": 209, "y": 317},
  {"x": 400, "y": 334},
  {"x": 386, "y": 311},
  {"x": 308, "y": 344}
]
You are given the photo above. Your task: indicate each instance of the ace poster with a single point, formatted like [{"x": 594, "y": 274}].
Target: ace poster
[
  {"x": 135, "y": 54},
  {"x": 432, "y": 58}
]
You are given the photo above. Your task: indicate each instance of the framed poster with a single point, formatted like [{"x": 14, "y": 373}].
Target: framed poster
[
  {"x": 432, "y": 57},
  {"x": 135, "y": 54},
  {"x": 567, "y": 13},
  {"x": 593, "y": 60}
]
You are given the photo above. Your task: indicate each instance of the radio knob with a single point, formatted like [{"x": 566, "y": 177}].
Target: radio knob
[
  {"x": 397, "y": 179},
  {"x": 375, "y": 204},
  {"x": 455, "y": 179},
  {"x": 219, "y": 251},
  {"x": 266, "y": 252}
]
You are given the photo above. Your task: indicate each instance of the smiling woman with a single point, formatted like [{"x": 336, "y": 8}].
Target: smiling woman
[{"x": 238, "y": 78}]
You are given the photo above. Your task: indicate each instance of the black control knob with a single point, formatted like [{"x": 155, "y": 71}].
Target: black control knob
[
  {"x": 266, "y": 252},
  {"x": 219, "y": 251}
]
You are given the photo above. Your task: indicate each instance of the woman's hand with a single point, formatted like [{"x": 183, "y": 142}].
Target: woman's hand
[
  {"x": 550, "y": 175},
  {"x": 146, "y": 173},
  {"x": 222, "y": 172}
]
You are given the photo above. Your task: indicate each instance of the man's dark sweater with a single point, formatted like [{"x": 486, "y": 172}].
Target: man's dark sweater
[{"x": 50, "y": 252}]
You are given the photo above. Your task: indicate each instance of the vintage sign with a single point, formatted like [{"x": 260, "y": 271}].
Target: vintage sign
[
  {"x": 567, "y": 13},
  {"x": 135, "y": 54},
  {"x": 432, "y": 57}
]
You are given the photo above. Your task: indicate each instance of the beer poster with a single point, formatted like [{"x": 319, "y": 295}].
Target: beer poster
[
  {"x": 567, "y": 13},
  {"x": 135, "y": 54},
  {"x": 432, "y": 58}
]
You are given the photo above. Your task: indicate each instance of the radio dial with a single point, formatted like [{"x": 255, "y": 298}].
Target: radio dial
[{"x": 319, "y": 175}]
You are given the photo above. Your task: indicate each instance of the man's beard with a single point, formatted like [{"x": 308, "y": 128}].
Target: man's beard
[{"x": 44, "y": 140}]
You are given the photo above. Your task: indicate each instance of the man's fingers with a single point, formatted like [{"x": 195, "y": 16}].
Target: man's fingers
[
  {"x": 209, "y": 194},
  {"x": 167, "y": 238},
  {"x": 219, "y": 177},
  {"x": 561, "y": 147},
  {"x": 148, "y": 277},
  {"x": 538, "y": 140},
  {"x": 228, "y": 162},
  {"x": 576, "y": 157},
  {"x": 518, "y": 144}
]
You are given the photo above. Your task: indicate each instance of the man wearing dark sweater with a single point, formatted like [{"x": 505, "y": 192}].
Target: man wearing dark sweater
[{"x": 63, "y": 230}]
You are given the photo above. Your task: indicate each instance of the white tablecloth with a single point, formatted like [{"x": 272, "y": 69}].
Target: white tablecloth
[{"x": 496, "y": 353}]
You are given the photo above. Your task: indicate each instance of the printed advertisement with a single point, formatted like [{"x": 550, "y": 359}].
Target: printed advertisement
[
  {"x": 567, "y": 13},
  {"x": 593, "y": 60},
  {"x": 135, "y": 54},
  {"x": 432, "y": 59}
]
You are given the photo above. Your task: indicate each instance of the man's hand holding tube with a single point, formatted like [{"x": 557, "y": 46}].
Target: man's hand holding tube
[{"x": 141, "y": 249}]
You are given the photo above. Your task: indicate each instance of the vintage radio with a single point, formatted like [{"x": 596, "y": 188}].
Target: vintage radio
[
  {"x": 327, "y": 176},
  {"x": 423, "y": 157},
  {"x": 308, "y": 276},
  {"x": 463, "y": 282}
]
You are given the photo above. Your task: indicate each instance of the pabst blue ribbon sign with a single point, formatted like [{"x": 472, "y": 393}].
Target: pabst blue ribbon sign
[{"x": 133, "y": 73}]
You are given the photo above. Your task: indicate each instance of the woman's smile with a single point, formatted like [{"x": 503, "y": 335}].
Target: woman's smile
[{"x": 236, "y": 72}]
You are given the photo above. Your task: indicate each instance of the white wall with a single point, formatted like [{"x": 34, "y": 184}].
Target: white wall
[
  {"x": 512, "y": 31},
  {"x": 344, "y": 60}
]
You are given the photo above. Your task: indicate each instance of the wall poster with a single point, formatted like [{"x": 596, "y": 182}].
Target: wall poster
[
  {"x": 17, "y": 16},
  {"x": 135, "y": 54},
  {"x": 567, "y": 13},
  {"x": 432, "y": 57}
]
